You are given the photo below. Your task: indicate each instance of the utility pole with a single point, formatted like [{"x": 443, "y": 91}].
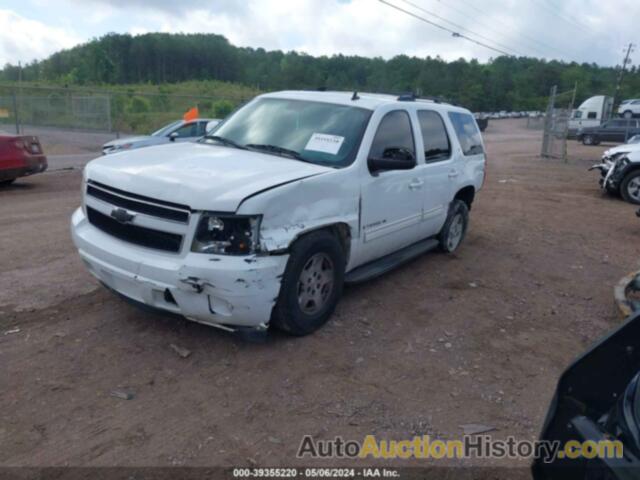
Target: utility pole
[
  {"x": 625, "y": 62},
  {"x": 19, "y": 103},
  {"x": 548, "y": 124}
]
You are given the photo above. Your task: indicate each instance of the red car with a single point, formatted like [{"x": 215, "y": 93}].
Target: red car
[{"x": 20, "y": 155}]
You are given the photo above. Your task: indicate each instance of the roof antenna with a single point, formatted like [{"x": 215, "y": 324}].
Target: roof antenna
[{"x": 355, "y": 96}]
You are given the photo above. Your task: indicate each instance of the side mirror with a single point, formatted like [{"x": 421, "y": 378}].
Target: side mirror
[
  {"x": 393, "y": 158},
  {"x": 173, "y": 136}
]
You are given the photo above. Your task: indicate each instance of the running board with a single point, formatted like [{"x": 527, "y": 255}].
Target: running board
[{"x": 383, "y": 265}]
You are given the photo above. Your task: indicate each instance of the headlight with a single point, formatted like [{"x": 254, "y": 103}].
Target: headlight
[
  {"x": 227, "y": 234},
  {"x": 124, "y": 146}
]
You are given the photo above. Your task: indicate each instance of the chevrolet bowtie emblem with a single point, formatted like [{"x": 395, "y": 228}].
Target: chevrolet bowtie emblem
[{"x": 121, "y": 215}]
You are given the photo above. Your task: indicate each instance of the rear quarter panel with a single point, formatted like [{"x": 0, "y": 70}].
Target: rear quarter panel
[{"x": 10, "y": 155}]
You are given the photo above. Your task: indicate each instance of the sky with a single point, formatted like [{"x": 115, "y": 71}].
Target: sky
[{"x": 592, "y": 31}]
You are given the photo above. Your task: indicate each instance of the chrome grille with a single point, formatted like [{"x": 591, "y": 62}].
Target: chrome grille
[{"x": 146, "y": 222}]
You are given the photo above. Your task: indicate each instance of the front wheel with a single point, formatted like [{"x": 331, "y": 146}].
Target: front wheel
[
  {"x": 630, "y": 187},
  {"x": 312, "y": 284},
  {"x": 455, "y": 228}
]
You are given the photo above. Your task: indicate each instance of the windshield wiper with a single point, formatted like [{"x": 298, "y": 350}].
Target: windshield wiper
[
  {"x": 277, "y": 150},
  {"x": 225, "y": 141}
]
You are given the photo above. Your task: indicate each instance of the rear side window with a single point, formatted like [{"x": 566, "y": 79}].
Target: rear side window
[
  {"x": 434, "y": 135},
  {"x": 188, "y": 130},
  {"x": 202, "y": 129},
  {"x": 467, "y": 132},
  {"x": 394, "y": 132}
]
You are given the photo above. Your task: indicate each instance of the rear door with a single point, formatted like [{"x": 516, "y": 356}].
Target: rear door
[
  {"x": 438, "y": 172},
  {"x": 469, "y": 168}
]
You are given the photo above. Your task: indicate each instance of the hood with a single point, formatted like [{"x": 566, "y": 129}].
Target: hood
[
  {"x": 123, "y": 141},
  {"x": 631, "y": 147},
  {"x": 205, "y": 177}
]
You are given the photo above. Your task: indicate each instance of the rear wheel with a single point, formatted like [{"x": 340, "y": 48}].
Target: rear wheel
[
  {"x": 455, "y": 227},
  {"x": 5, "y": 183},
  {"x": 628, "y": 114},
  {"x": 590, "y": 140},
  {"x": 630, "y": 187},
  {"x": 312, "y": 284}
]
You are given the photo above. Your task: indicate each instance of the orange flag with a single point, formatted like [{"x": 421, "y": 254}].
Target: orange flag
[{"x": 191, "y": 114}]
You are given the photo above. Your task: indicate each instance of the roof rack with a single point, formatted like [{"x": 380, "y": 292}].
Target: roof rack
[
  {"x": 407, "y": 97},
  {"x": 412, "y": 97}
]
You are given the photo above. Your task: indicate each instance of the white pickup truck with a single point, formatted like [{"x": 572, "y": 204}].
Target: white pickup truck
[{"x": 263, "y": 221}]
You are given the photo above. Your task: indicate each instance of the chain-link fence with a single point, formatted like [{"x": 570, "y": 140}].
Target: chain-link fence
[
  {"x": 556, "y": 126},
  {"x": 556, "y": 129},
  {"x": 103, "y": 111}
]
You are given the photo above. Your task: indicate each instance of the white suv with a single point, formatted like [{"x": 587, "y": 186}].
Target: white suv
[
  {"x": 264, "y": 219},
  {"x": 629, "y": 108}
]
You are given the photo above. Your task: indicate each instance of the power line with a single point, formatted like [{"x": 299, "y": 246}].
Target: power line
[
  {"x": 558, "y": 14},
  {"x": 453, "y": 32},
  {"x": 532, "y": 41},
  {"x": 418, "y": 7}
]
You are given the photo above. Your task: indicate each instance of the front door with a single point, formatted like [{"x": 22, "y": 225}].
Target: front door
[{"x": 391, "y": 211}]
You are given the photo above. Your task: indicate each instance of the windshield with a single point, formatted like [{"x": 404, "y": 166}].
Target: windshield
[
  {"x": 164, "y": 131},
  {"x": 321, "y": 133}
]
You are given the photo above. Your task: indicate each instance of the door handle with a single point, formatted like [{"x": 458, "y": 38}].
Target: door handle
[
  {"x": 415, "y": 184},
  {"x": 453, "y": 174}
]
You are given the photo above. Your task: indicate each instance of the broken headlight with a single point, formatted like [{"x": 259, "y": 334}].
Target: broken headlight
[{"x": 227, "y": 234}]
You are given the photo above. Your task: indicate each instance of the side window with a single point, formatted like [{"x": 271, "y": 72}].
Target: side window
[
  {"x": 394, "y": 136},
  {"x": 467, "y": 133},
  {"x": 434, "y": 136},
  {"x": 592, "y": 115},
  {"x": 188, "y": 130},
  {"x": 577, "y": 114},
  {"x": 202, "y": 129}
]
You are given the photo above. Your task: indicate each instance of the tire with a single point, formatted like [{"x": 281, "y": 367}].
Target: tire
[
  {"x": 630, "y": 187},
  {"x": 6, "y": 183},
  {"x": 301, "y": 311},
  {"x": 455, "y": 228},
  {"x": 590, "y": 140},
  {"x": 627, "y": 114}
]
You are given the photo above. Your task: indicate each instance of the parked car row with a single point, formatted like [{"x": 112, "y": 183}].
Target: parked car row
[{"x": 504, "y": 114}]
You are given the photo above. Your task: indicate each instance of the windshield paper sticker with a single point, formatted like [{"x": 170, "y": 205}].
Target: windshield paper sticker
[{"x": 321, "y": 142}]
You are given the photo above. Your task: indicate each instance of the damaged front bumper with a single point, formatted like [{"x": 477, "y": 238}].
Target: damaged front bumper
[
  {"x": 229, "y": 292},
  {"x": 611, "y": 173},
  {"x": 613, "y": 170}
]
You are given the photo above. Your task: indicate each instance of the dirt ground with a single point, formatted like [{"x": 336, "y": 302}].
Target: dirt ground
[{"x": 477, "y": 337}]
